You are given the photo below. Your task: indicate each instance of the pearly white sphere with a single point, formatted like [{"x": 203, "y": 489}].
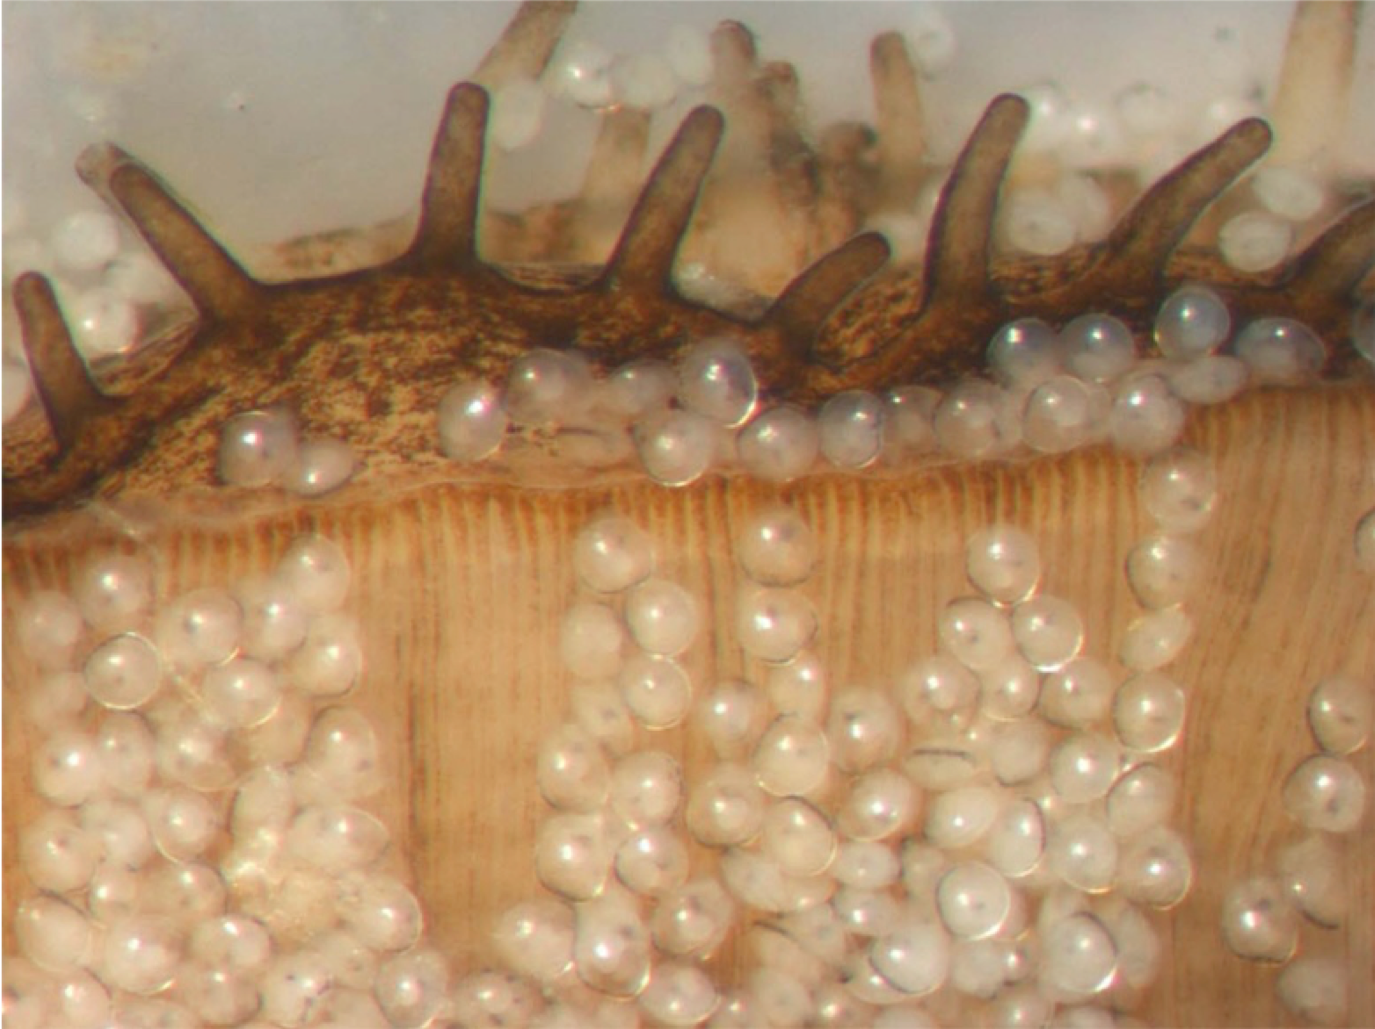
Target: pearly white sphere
[
  {"x": 571, "y": 770},
  {"x": 274, "y": 619},
  {"x": 1312, "y": 870},
  {"x": 652, "y": 861},
  {"x": 1341, "y": 709},
  {"x": 1258, "y": 922},
  {"x": 601, "y": 712},
  {"x": 975, "y": 633},
  {"x": 342, "y": 753},
  {"x": 1082, "y": 852},
  {"x": 67, "y": 768},
  {"x": 662, "y": 617},
  {"x": 126, "y": 749},
  {"x": 1146, "y": 416},
  {"x": 124, "y": 672},
  {"x": 241, "y": 692},
  {"x": 1155, "y": 639},
  {"x": 731, "y": 717},
  {"x": 679, "y": 994},
  {"x": 864, "y": 729},
  {"x": 793, "y": 756},
  {"x": 799, "y": 687},
  {"x": 259, "y": 448},
  {"x": 198, "y": 628},
  {"x": 851, "y": 428},
  {"x": 120, "y": 829},
  {"x": 517, "y": 113},
  {"x": 1325, "y": 793},
  {"x": 140, "y": 954},
  {"x": 572, "y": 855},
  {"x": 693, "y": 918},
  {"x": 975, "y": 420},
  {"x": 58, "y": 854},
  {"x": 907, "y": 421},
  {"x": 935, "y": 686},
  {"x": 611, "y": 554},
  {"x": 335, "y": 837},
  {"x": 1084, "y": 766},
  {"x": 656, "y": 690},
  {"x": 379, "y": 910},
  {"x": 960, "y": 817},
  {"x": 973, "y": 900},
  {"x": 1036, "y": 222},
  {"x": 716, "y": 381},
  {"x": 880, "y": 804},
  {"x": 1280, "y": 351},
  {"x": 322, "y": 466},
  {"x": 1003, "y": 562},
  {"x": 774, "y": 624},
  {"x": 1098, "y": 347},
  {"x": 1254, "y": 241},
  {"x": 104, "y": 322},
  {"x": 1214, "y": 379},
  {"x": 636, "y": 389},
  {"x": 1179, "y": 490},
  {"x": 294, "y": 986},
  {"x": 472, "y": 421},
  {"x": 1142, "y": 798},
  {"x": 330, "y": 660},
  {"x": 411, "y": 988},
  {"x": 1025, "y": 352},
  {"x": 1010, "y": 690},
  {"x": 316, "y": 571},
  {"x": 611, "y": 951},
  {"x": 726, "y": 807},
  {"x": 1192, "y": 323},
  {"x": 1078, "y": 955},
  {"x": 777, "y": 547},
  {"x": 591, "y": 640},
  {"x": 1316, "y": 989},
  {"x": 1148, "y": 712},
  {"x": 780, "y": 445},
  {"x": 86, "y": 240},
  {"x": 52, "y": 933},
  {"x": 1016, "y": 839},
  {"x": 1048, "y": 631},
  {"x": 1063, "y": 413},
  {"x": 535, "y": 938},
  {"x": 646, "y": 788},
  {"x": 867, "y": 864},
  {"x": 1155, "y": 868},
  {"x": 1020, "y": 751},
  {"x": 1163, "y": 570},
  {"x": 183, "y": 822},
  {"x": 675, "y": 447},
  {"x": 49, "y": 625},
  {"x": 114, "y": 591}
]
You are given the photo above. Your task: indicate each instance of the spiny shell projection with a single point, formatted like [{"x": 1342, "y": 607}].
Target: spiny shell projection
[{"x": 461, "y": 575}]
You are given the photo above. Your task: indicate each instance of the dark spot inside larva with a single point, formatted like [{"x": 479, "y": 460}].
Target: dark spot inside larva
[{"x": 388, "y": 340}]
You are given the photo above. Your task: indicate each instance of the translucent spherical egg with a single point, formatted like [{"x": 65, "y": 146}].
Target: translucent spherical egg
[
  {"x": 517, "y": 113},
  {"x": 717, "y": 381},
  {"x": 656, "y": 690},
  {"x": 1148, "y": 712},
  {"x": 850, "y": 424},
  {"x": 1316, "y": 989},
  {"x": 914, "y": 957},
  {"x": 1341, "y": 709},
  {"x": 1016, "y": 839},
  {"x": 1155, "y": 639},
  {"x": 1179, "y": 490},
  {"x": 799, "y": 687},
  {"x": 258, "y": 448},
  {"x": 679, "y": 994},
  {"x": 124, "y": 672},
  {"x": 675, "y": 447},
  {"x": 1146, "y": 417},
  {"x": 535, "y": 938},
  {"x": 1280, "y": 351},
  {"x": 1214, "y": 379},
  {"x": 1048, "y": 631},
  {"x": 973, "y": 900},
  {"x": 731, "y": 716},
  {"x": 646, "y": 788},
  {"x": 1025, "y": 352},
  {"x": 936, "y": 685},
  {"x": 572, "y": 856},
  {"x": 1325, "y": 793},
  {"x": 571, "y": 770},
  {"x": 792, "y": 757},
  {"x": 777, "y": 547},
  {"x": 1163, "y": 571},
  {"x": 907, "y": 421},
  {"x": 1254, "y": 241},
  {"x": 547, "y": 386},
  {"x": 1019, "y": 751},
  {"x": 975, "y": 633},
  {"x": 864, "y": 729},
  {"x": 612, "y": 554},
  {"x": 1004, "y": 563},
  {"x": 975, "y": 420},
  {"x": 591, "y": 641},
  {"x": 880, "y": 804},
  {"x": 960, "y": 817},
  {"x": 798, "y": 836},
  {"x": 1192, "y": 322},
  {"x": 1084, "y": 766},
  {"x": 1083, "y": 852},
  {"x": 1064, "y": 413},
  {"x": 780, "y": 445},
  {"x": 1098, "y": 347},
  {"x": 652, "y": 861},
  {"x": 1078, "y": 955},
  {"x": 1258, "y": 923},
  {"x": 774, "y": 624},
  {"x": 1155, "y": 868},
  {"x": 662, "y": 617},
  {"x": 472, "y": 421}
]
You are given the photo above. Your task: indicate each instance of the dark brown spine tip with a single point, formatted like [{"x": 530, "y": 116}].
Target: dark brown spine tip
[
  {"x": 1337, "y": 261},
  {"x": 957, "y": 249},
  {"x": 446, "y": 236},
  {"x": 643, "y": 258},
  {"x": 807, "y": 301},
  {"x": 218, "y": 286},
  {"x": 64, "y": 386},
  {"x": 1148, "y": 234}
]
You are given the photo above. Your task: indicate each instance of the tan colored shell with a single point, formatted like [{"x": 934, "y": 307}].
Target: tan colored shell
[{"x": 460, "y": 584}]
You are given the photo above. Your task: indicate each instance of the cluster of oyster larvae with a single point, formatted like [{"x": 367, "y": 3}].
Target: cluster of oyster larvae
[{"x": 980, "y": 837}]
